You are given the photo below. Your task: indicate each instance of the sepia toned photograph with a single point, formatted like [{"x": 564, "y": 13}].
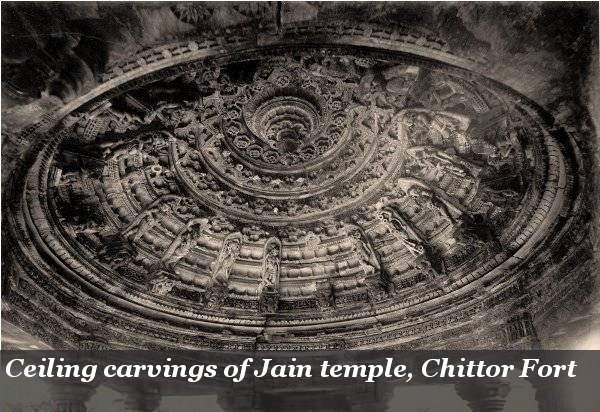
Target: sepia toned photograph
[{"x": 300, "y": 176}]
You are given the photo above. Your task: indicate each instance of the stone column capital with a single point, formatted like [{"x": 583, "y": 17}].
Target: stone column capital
[
  {"x": 70, "y": 395},
  {"x": 141, "y": 401},
  {"x": 483, "y": 395}
]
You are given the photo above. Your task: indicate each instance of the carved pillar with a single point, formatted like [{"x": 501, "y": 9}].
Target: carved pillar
[
  {"x": 552, "y": 395},
  {"x": 483, "y": 395},
  {"x": 69, "y": 395},
  {"x": 140, "y": 401}
]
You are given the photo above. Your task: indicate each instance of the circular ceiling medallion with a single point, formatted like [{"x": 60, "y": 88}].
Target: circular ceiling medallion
[{"x": 323, "y": 196}]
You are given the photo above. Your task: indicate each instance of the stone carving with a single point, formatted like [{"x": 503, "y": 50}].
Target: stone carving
[
  {"x": 422, "y": 265},
  {"x": 368, "y": 259},
  {"x": 449, "y": 92},
  {"x": 115, "y": 253},
  {"x": 217, "y": 288},
  {"x": 221, "y": 268},
  {"x": 161, "y": 285},
  {"x": 429, "y": 200},
  {"x": 193, "y": 14},
  {"x": 457, "y": 177},
  {"x": 145, "y": 221},
  {"x": 312, "y": 184},
  {"x": 271, "y": 265},
  {"x": 185, "y": 241},
  {"x": 442, "y": 129},
  {"x": 402, "y": 232},
  {"x": 271, "y": 269}
]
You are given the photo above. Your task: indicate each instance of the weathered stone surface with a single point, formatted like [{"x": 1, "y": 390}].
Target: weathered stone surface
[{"x": 301, "y": 185}]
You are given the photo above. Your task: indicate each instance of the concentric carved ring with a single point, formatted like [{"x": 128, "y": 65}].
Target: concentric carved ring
[{"x": 332, "y": 193}]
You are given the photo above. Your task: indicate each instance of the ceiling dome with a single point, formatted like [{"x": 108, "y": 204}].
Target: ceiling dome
[{"x": 287, "y": 196}]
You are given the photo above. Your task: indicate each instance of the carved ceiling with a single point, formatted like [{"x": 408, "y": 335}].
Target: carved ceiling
[{"x": 299, "y": 197}]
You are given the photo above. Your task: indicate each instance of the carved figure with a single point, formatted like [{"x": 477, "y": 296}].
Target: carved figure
[
  {"x": 149, "y": 218},
  {"x": 161, "y": 285},
  {"x": 185, "y": 241},
  {"x": 142, "y": 224},
  {"x": 400, "y": 230},
  {"x": 221, "y": 268},
  {"x": 369, "y": 261},
  {"x": 271, "y": 266},
  {"x": 430, "y": 201}
]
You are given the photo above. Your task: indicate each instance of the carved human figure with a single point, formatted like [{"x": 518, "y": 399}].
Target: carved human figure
[
  {"x": 312, "y": 240},
  {"x": 401, "y": 231},
  {"x": 374, "y": 93},
  {"x": 221, "y": 268},
  {"x": 145, "y": 222},
  {"x": 456, "y": 176},
  {"x": 181, "y": 247},
  {"x": 271, "y": 266},
  {"x": 446, "y": 93},
  {"x": 370, "y": 263},
  {"x": 117, "y": 121},
  {"x": 366, "y": 254},
  {"x": 185, "y": 241},
  {"x": 422, "y": 127},
  {"x": 214, "y": 299},
  {"x": 324, "y": 296}
]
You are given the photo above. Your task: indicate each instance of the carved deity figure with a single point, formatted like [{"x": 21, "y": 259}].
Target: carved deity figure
[
  {"x": 439, "y": 163},
  {"x": 217, "y": 289},
  {"x": 185, "y": 241},
  {"x": 144, "y": 222},
  {"x": 215, "y": 297},
  {"x": 368, "y": 259},
  {"x": 446, "y": 93},
  {"x": 401, "y": 232},
  {"x": 456, "y": 176},
  {"x": 107, "y": 118},
  {"x": 154, "y": 149},
  {"x": 221, "y": 268},
  {"x": 422, "y": 127},
  {"x": 325, "y": 296},
  {"x": 312, "y": 240},
  {"x": 271, "y": 266},
  {"x": 370, "y": 264}
]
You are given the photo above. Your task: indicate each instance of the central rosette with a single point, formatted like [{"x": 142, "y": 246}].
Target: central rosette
[
  {"x": 289, "y": 143},
  {"x": 286, "y": 122},
  {"x": 285, "y": 119}
]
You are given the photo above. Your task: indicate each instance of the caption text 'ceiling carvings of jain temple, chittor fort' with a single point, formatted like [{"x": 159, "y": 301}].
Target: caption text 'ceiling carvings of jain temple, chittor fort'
[{"x": 290, "y": 185}]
